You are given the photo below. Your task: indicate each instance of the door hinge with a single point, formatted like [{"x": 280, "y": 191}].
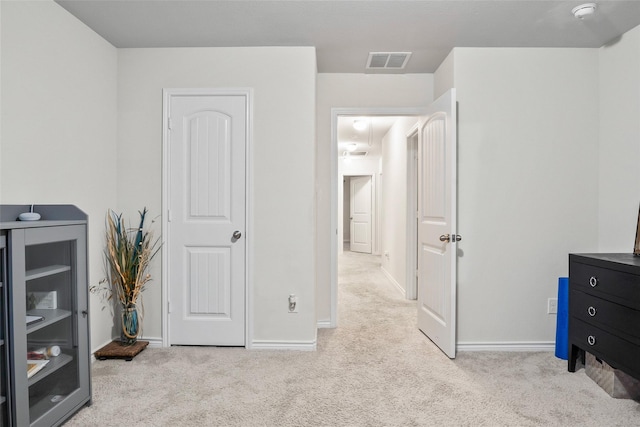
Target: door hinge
[
  {"x": 169, "y": 215},
  {"x": 168, "y": 306},
  {"x": 169, "y": 123},
  {"x": 417, "y": 274}
]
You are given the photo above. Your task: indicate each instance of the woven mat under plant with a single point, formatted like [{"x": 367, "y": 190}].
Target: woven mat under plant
[{"x": 115, "y": 350}]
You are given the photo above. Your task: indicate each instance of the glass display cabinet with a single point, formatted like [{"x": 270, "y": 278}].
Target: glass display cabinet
[{"x": 47, "y": 344}]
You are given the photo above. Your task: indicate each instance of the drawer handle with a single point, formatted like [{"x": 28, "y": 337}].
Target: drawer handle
[
  {"x": 593, "y": 281},
  {"x": 592, "y": 311},
  {"x": 591, "y": 340}
]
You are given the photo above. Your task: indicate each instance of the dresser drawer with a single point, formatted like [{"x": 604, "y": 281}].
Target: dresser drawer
[
  {"x": 621, "y": 287},
  {"x": 617, "y": 352},
  {"x": 607, "y": 315}
]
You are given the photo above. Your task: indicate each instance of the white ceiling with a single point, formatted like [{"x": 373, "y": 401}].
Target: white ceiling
[
  {"x": 344, "y": 32},
  {"x": 368, "y": 139}
]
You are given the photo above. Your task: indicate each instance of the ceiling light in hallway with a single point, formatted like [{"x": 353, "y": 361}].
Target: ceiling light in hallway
[{"x": 359, "y": 124}]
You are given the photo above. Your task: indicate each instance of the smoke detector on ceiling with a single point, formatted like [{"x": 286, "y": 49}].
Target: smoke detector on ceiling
[
  {"x": 388, "y": 60},
  {"x": 584, "y": 10}
]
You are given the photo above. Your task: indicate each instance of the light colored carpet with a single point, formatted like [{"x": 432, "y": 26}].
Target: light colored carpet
[{"x": 375, "y": 369}]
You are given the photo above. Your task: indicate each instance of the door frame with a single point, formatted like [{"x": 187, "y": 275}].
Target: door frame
[
  {"x": 333, "y": 230},
  {"x": 167, "y": 93},
  {"x": 411, "y": 285}
]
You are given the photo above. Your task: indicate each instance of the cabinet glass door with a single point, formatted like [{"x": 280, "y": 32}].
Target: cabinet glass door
[
  {"x": 52, "y": 348},
  {"x": 54, "y": 344},
  {"x": 4, "y": 368}
]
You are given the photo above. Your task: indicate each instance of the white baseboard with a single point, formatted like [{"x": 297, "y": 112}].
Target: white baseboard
[
  {"x": 284, "y": 345},
  {"x": 324, "y": 324},
  {"x": 507, "y": 346},
  {"x": 394, "y": 282},
  {"x": 100, "y": 346},
  {"x": 153, "y": 342}
]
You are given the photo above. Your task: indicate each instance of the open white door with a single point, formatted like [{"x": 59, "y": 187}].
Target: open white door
[
  {"x": 361, "y": 214},
  {"x": 207, "y": 217},
  {"x": 437, "y": 233}
]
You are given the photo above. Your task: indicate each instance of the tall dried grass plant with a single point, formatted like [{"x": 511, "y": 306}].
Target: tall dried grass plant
[{"x": 129, "y": 252}]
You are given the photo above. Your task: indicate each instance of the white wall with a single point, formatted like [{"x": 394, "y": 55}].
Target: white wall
[
  {"x": 527, "y": 184},
  {"x": 394, "y": 201},
  {"x": 59, "y": 123},
  {"x": 444, "y": 76},
  {"x": 351, "y": 91},
  {"x": 283, "y": 252},
  {"x": 619, "y": 154}
]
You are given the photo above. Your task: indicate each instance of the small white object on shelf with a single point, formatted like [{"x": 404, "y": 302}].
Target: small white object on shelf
[{"x": 29, "y": 216}]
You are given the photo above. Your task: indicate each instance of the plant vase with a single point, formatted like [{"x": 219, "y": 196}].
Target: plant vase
[{"x": 130, "y": 325}]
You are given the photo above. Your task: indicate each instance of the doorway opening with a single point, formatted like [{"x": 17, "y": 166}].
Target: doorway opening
[
  {"x": 436, "y": 237},
  {"x": 372, "y": 131}
]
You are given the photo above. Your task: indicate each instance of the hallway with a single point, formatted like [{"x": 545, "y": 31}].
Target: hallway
[{"x": 364, "y": 292}]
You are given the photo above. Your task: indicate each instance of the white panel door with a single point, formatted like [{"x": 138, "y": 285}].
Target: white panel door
[
  {"x": 437, "y": 223},
  {"x": 360, "y": 214},
  {"x": 206, "y": 244}
]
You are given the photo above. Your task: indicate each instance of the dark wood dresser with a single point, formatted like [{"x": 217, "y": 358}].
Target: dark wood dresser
[{"x": 604, "y": 310}]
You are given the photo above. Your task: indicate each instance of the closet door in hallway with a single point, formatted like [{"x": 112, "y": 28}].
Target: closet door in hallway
[
  {"x": 361, "y": 214},
  {"x": 207, "y": 215}
]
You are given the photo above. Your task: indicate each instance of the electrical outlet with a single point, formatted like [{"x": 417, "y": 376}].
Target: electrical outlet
[
  {"x": 552, "y": 306},
  {"x": 293, "y": 303}
]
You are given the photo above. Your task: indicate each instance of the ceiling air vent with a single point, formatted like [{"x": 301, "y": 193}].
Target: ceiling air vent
[{"x": 388, "y": 60}]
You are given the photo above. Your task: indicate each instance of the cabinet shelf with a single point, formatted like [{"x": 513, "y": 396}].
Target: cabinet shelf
[
  {"x": 54, "y": 364},
  {"x": 49, "y": 317},
  {"x": 49, "y": 270}
]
